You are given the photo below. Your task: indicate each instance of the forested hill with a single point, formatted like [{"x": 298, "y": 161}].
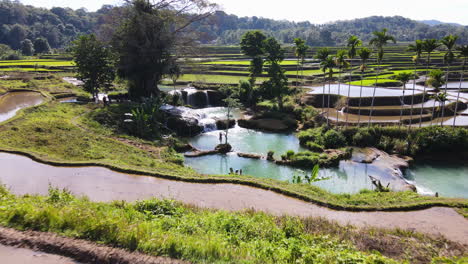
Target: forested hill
[
  {"x": 57, "y": 25},
  {"x": 227, "y": 29},
  {"x": 60, "y": 25}
]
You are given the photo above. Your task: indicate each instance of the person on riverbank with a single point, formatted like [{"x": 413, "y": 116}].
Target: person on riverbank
[{"x": 220, "y": 137}]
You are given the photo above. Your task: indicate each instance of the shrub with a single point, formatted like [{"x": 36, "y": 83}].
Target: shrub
[
  {"x": 314, "y": 146},
  {"x": 363, "y": 138},
  {"x": 334, "y": 139}
]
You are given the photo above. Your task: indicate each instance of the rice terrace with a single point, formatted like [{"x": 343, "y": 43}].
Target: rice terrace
[{"x": 190, "y": 131}]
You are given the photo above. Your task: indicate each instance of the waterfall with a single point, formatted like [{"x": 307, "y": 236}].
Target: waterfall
[
  {"x": 190, "y": 96},
  {"x": 209, "y": 124},
  {"x": 207, "y": 99}
]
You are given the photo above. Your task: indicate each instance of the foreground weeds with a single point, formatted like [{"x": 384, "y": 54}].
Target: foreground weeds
[{"x": 167, "y": 228}]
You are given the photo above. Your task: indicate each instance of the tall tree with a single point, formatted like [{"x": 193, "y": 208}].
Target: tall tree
[
  {"x": 417, "y": 47},
  {"x": 27, "y": 47},
  {"x": 436, "y": 80},
  {"x": 379, "y": 41},
  {"x": 429, "y": 46},
  {"x": 278, "y": 83},
  {"x": 341, "y": 63},
  {"x": 300, "y": 50},
  {"x": 321, "y": 55},
  {"x": 174, "y": 72},
  {"x": 328, "y": 65},
  {"x": 364, "y": 54},
  {"x": 94, "y": 62},
  {"x": 352, "y": 43},
  {"x": 404, "y": 78},
  {"x": 253, "y": 46},
  {"x": 41, "y": 45},
  {"x": 463, "y": 54},
  {"x": 150, "y": 35}
]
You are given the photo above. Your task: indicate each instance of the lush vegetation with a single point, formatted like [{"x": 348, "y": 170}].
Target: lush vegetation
[
  {"x": 59, "y": 133},
  {"x": 166, "y": 228},
  {"x": 433, "y": 140}
]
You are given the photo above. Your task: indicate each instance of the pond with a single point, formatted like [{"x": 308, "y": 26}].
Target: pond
[
  {"x": 349, "y": 177},
  {"x": 11, "y": 103}
]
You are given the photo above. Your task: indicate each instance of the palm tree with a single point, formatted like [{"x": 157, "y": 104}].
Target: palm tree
[
  {"x": 364, "y": 54},
  {"x": 449, "y": 43},
  {"x": 379, "y": 41},
  {"x": 353, "y": 43},
  {"x": 327, "y": 65},
  {"x": 436, "y": 80},
  {"x": 300, "y": 52},
  {"x": 418, "y": 48},
  {"x": 463, "y": 53},
  {"x": 404, "y": 78},
  {"x": 322, "y": 55},
  {"x": 429, "y": 45},
  {"x": 340, "y": 61}
]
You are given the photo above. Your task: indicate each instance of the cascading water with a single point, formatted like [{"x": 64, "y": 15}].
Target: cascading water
[
  {"x": 194, "y": 97},
  {"x": 206, "y": 117}
]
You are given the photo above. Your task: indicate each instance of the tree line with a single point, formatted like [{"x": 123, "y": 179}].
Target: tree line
[{"x": 59, "y": 26}]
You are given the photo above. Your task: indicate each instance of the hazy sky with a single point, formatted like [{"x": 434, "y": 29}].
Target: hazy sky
[{"x": 313, "y": 10}]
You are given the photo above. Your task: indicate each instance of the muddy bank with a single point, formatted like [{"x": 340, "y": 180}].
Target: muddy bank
[
  {"x": 22, "y": 176},
  {"x": 79, "y": 250}
]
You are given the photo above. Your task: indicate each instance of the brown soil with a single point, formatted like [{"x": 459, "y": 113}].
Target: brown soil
[{"x": 80, "y": 250}]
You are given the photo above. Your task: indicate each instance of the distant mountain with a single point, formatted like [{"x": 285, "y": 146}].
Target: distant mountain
[{"x": 434, "y": 22}]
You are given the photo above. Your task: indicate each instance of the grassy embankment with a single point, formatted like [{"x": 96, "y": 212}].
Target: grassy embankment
[
  {"x": 49, "y": 133},
  {"x": 45, "y": 83},
  {"x": 166, "y": 228}
]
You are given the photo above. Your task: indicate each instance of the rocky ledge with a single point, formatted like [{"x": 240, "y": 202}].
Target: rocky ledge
[{"x": 385, "y": 167}]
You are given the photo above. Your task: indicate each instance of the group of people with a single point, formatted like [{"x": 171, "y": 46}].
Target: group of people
[
  {"x": 221, "y": 135},
  {"x": 237, "y": 172}
]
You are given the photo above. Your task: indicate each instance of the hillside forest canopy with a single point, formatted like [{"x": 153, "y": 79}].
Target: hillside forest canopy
[{"x": 59, "y": 26}]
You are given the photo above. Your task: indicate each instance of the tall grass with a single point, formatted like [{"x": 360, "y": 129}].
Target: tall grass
[{"x": 166, "y": 228}]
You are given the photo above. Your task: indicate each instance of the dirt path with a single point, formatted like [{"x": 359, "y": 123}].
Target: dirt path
[
  {"x": 13, "y": 255},
  {"x": 79, "y": 250},
  {"x": 23, "y": 176}
]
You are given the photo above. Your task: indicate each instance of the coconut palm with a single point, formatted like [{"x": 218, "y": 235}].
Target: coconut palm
[
  {"x": 352, "y": 43},
  {"x": 322, "y": 55},
  {"x": 463, "y": 53},
  {"x": 300, "y": 51},
  {"x": 328, "y": 65},
  {"x": 429, "y": 46},
  {"x": 404, "y": 78},
  {"x": 418, "y": 48},
  {"x": 449, "y": 43},
  {"x": 436, "y": 80},
  {"x": 341, "y": 63},
  {"x": 364, "y": 54},
  {"x": 379, "y": 41}
]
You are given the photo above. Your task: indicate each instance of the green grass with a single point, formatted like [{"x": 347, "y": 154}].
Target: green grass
[
  {"x": 26, "y": 70},
  {"x": 166, "y": 228},
  {"x": 371, "y": 81},
  {"x": 47, "y": 62},
  {"x": 26, "y": 80},
  {"x": 221, "y": 79},
  {"x": 243, "y": 62},
  {"x": 48, "y": 131}
]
